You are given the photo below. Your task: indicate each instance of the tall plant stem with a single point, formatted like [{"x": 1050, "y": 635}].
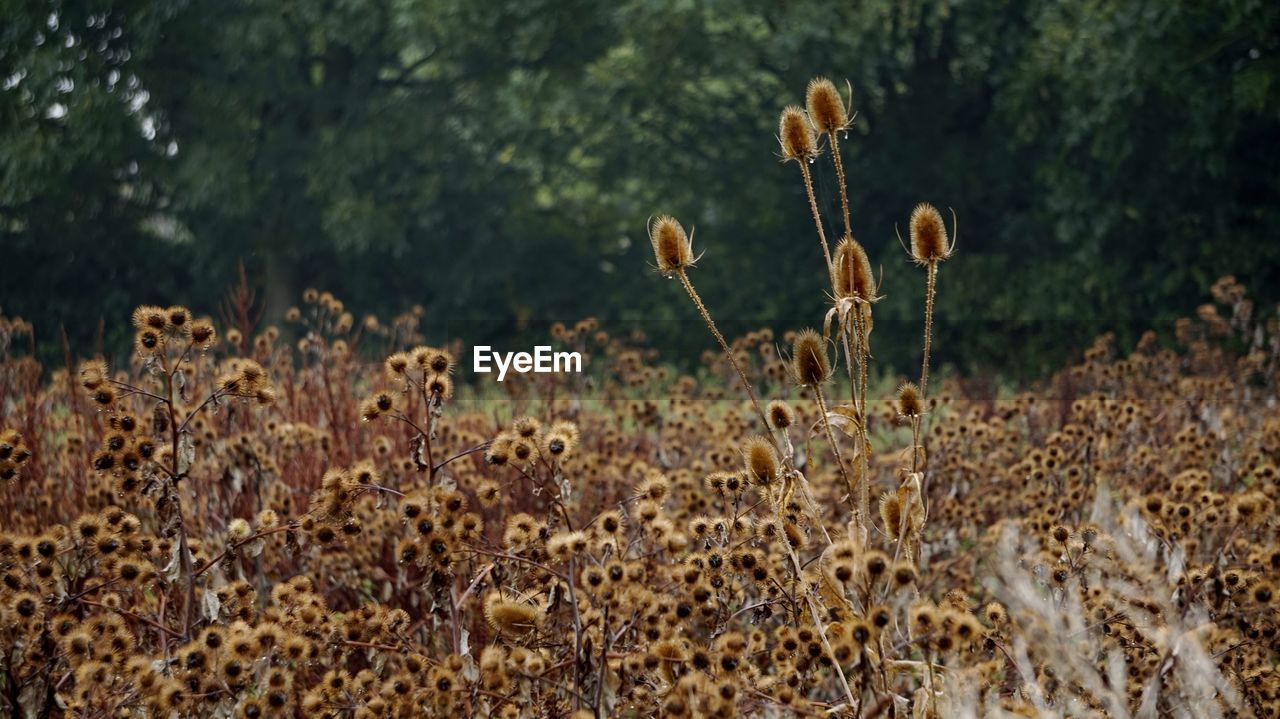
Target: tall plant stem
[
  {"x": 813, "y": 207},
  {"x": 812, "y": 604},
  {"x": 861, "y": 353},
  {"x": 835, "y": 448},
  {"x": 849, "y": 354},
  {"x": 728, "y": 353},
  {"x": 844, "y": 193},
  {"x": 928, "y": 326},
  {"x": 184, "y": 553}
]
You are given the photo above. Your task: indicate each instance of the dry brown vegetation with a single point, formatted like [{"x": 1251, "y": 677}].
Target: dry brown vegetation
[{"x": 249, "y": 526}]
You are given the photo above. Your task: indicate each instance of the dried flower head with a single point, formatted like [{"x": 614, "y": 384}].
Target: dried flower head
[
  {"x": 760, "y": 461},
  {"x": 672, "y": 248},
  {"x": 851, "y": 271},
  {"x": 514, "y": 619},
  {"x": 149, "y": 317},
  {"x": 809, "y": 363},
  {"x": 202, "y": 334},
  {"x": 928, "y": 235},
  {"x": 93, "y": 374},
  {"x": 177, "y": 317},
  {"x": 781, "y": 415},
  {"x": 910, "y": 403},
  {"x": 826, "y": 108},
  {"x": 795, "y": 134}
]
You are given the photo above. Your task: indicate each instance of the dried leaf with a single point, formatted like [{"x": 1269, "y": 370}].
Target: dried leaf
[
  {"x": 212, "y": 606},
  {"x": 254, "y": 548},
  {"x": 417, "y": 452},
  {"x": 173, "y": 569},
  {"x": 186, "y": 453},
  {"x": 180, "y": 381},
  {"x": 845, "y": 419}
]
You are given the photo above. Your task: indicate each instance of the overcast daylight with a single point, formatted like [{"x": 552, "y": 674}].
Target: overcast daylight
[{"x": 568, "y": 359}]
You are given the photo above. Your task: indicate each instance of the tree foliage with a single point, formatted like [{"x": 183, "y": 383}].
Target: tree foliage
[{"x": 1107, "y": 159}]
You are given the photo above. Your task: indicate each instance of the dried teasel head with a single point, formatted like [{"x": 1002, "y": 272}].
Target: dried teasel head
[
  {"x": 672, "y": 247},
  {"x": 202, "y": 334},
  {"x": 561, "y": 439},
  {"x": 795, "y": 134},
  {"x": 929, "y": 244},
  {"x": 511, "y": 618},
  {"x": 891, "y": 514},
  {"x": 177, "y": 317},
  {"x": 809, "y": 364},
  {"x": 93, "y": 374},
  {"x": 826, "y": 108},
  {"x": 760, "y": 461},
  {"x": 851, "y": 272},
  {"x": 781, "y": 415},
  {"x": 149, "y": 317},
  {"x": 148, "y": 341},
  {"x": 909, "y": 401}
]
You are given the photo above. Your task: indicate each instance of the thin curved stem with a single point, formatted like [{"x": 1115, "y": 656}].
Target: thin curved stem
[
  {"x": 813, "y": 207},
  {"x": 928, "y": 326},
  {"x": 862, "y": 353},
  {"x": 728, "y": 353},
  {"x": 831, "y": 437},
  {"x": 844, "y": 194}
]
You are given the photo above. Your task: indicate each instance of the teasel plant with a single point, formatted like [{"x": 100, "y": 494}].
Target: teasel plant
[
  {"x": 799, "y": 143},
  {"x": 810, "y": 368},
  {"x": 929, "y": 248},
  {"x": 673, "y": 253},
  {"x": 854, "y": 290},
  {"x": 832, "y": 117}
]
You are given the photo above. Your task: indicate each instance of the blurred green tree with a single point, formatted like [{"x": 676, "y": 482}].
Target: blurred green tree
[{"x": 1107, "y": 159}]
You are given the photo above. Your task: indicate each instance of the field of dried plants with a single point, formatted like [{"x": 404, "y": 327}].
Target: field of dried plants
[{"x": 326, "y": 518}]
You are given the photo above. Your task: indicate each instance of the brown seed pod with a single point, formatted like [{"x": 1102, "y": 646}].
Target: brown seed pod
[
  {"x": 809, "y": 363},
  {"x": 909, "y": 402},
  {"x": 149, "y": 316},
  {"x": 796, "y": 135},
  {"x": 760, "y": 460},
  {"x": 851, "y": 272},
  {"x": 826, "y": 109},
  {"x": 781, "y": 415},
  {"x": 928, "y": 235},
  {"x": 672, "y": 247}
]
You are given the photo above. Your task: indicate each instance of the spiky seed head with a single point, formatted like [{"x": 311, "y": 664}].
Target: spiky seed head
[
  {"x": 202, "y": 333},
  {"x": 809, "y": 363},
  {"x": 148, "y": 341},
  {"x": 795, "y": 132},
  {"x": 851, "y": 271},
  {"x": 671, "y": 246},
  {"x": 177, "y": 316},
  {"x": 909, "y": 401},
  {"x": 760, "y": 460},
  {"x": 149, "y": 316},
  {"x": 826, "y": 109},
  {"x": 891, "y": 514},
  {"x": 780, "y": 414},
  {"x": 93, "y": 374},
  {"x": 511, "y": 618},
  {"x": 928, "y": 235}
]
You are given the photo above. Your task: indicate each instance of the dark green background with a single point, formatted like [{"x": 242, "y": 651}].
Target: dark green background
[{"x": 1108, "y": 159}]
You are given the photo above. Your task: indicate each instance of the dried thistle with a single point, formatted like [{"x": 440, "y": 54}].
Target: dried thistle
[{"x": 672, "y": 247}]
